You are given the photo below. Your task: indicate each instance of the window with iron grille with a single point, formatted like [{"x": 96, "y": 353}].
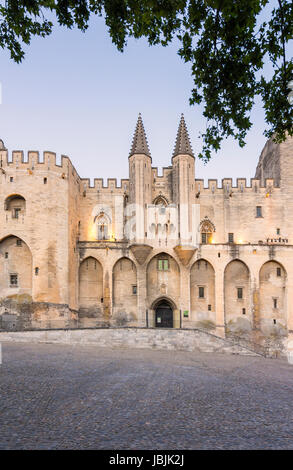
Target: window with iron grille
[
  {"x": 13, "y": 280},
  {"x": 16, "y": 212},
  {"x": 231, "y": 237},
  {"x": 163, "y": 264},
  {"x": 201, "y": 292},
  {"x": 206, "y": 238},
  {"x": 258, "y": 211},
  {"x": 239, "y": 292}
]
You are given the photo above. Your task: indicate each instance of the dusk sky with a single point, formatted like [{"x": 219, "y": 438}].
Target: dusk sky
[{"x": 76, "y": 95}]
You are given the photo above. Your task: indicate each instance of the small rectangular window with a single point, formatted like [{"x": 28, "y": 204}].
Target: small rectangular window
[
  {"x": 243, "y": 311},
  {"x": 231, "y": 237},
  {"x": 36, "y": 271},
  {"x": 16, "y": 213},
  {"x": 18, "y": 242},
  {"x": 206, "y": 238},
  {"x": 209, "y": 307},
  {"x": 11, "y": 179},
  {"x": 201, "y": 292},
  {"x": 275, "y": 303},
  {"x": 6, "y": 255},
  {"x": 258, "y": 211},
  {"x": 209, "y": 238},
  {"x": 13, "y": 280},
  {"x": 239, "y": 293},
  {"x": 134, "y": 290},
  {"x": 163, "y": 264},
  {"x": 278, "y": 272},
  {"x": 45, "y": 180},
  {"x": 278, "y": 231}
]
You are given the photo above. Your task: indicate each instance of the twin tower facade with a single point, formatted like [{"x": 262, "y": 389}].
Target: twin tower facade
[{"x": 156, "y": 251}]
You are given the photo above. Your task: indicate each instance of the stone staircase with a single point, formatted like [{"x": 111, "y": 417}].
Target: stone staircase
[{"x": 192, "y": 340}]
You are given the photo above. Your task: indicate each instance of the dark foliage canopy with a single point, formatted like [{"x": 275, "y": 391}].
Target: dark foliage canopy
[{"x": 226, "y": 43}]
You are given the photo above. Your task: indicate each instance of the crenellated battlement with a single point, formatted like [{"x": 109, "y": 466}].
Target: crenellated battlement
[
  {"x": 166, "y": 172},
  {"x": 47, "y": 161},
  {"x": 226, "y": 186},
  {"x": 111, "y": 185},
  {"x": 32, "y": 161}
]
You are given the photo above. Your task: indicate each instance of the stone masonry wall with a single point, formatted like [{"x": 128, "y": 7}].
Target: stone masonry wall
[{"x": 172, "y": 340}]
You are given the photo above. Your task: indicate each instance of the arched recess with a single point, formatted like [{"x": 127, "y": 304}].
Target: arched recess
[
  {"x": 16, "y": 205},
  {"x": 202, "y": 294},
  {"x": 238, "y": 312},
  {"x": 163, "y": 279},
  {"x": 164, "y": 316},
  {"x": 207, "y": 229},
  {"x": 91, "y": 285},
  {"x": 160, "y": 201},
  {"x": 15, "y": 268},
  {"x": 163, "y": 299},
  {"x": 272, "y": 298},
  {"x": 124, "y": 291},
  {"x": 103, "y": 226}
]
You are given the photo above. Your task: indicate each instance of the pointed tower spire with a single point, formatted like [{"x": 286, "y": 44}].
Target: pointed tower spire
[
  {"x": 182, "y": 144},
  {"x": 2, "y": 146},
  {"x": 139, "y": 143}
]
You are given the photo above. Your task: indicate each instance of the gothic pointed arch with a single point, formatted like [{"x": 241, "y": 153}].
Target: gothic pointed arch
[
  {"x": 206, "y": 229},
  {"x": 125, "y": 295},
  {"x": 103, "y": 223},
  {"x": 202, "y": 294},
  {"x": 163, "y": 278},
  {"x": 15, "y": 267},
  {"x": 272, "y": 299},
  {"x": 160, "y": 200},
  {"x": 15, "y": 204},
  {"x": 164, "y": 298},
  {"x": 206, "y": 225},
  {"x": 237, "y": 299},
  {"x": 91, "y": 285}
]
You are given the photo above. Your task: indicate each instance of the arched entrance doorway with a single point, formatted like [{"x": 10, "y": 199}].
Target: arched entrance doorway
[{"x": 164, "y": 314}]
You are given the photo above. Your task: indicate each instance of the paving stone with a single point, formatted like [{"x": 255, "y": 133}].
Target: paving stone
[{"x": 57, "y": 396}]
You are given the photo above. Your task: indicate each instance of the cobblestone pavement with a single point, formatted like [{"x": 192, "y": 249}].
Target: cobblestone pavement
[{"x": 83, "y": 397}]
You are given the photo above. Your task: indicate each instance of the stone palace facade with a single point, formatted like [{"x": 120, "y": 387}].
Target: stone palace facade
[{"x": 157, "y": 251}]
